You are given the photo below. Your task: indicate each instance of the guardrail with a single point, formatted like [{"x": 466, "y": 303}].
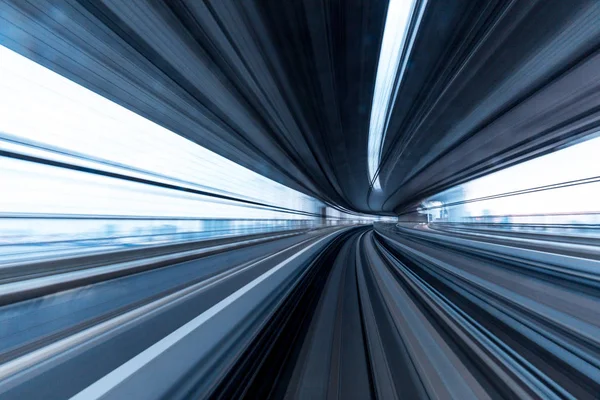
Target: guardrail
[
  {"x": 20, "y": 281},
  {"x": 564, "y": 231},
  {"x": 40, "y": 237}
]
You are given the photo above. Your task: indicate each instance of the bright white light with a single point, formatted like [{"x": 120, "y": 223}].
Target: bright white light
[
  {"x": 39, "y": 105},
  {"x": 573, "y": 163},
  {"x": 394, "y": 38},
  {"x": 45, "y": 115}
]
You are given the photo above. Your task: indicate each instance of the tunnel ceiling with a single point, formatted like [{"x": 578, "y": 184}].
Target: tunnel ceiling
[{"x": 285, "y": 87}]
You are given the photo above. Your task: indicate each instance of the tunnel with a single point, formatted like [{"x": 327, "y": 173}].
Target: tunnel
[{"x": 299, "y": 199}]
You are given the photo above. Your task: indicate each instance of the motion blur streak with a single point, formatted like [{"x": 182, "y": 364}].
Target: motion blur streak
[
  {"x": 303, "y": 199},
  {"x": 395, "y": 51}
]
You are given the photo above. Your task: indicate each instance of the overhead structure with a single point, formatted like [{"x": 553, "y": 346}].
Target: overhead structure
[{"x": 286, "y": 88}]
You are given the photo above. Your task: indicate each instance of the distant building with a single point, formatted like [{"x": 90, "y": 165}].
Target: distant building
[{"x": 451, "y": 213}]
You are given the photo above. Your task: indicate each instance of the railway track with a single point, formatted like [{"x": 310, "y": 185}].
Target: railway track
[{"x": 346, "y": 313}]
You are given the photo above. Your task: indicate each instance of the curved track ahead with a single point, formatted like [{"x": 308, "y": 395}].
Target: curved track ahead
[
  {"x": 353, "y": 313},
  {"x": 410, "y": 316}
]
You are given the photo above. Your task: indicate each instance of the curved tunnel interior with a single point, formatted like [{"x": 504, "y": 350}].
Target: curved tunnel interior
[{"x": 309, "y": 199}]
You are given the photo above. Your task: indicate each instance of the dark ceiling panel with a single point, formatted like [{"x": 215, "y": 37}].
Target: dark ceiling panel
[{"x": 499, "y": 95}]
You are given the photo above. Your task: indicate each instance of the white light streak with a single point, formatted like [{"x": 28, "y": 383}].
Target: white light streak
[{"x": 394, "y": 39}]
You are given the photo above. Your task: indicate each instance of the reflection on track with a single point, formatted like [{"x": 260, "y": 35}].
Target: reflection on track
[{"x": 390, "y": 312}]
